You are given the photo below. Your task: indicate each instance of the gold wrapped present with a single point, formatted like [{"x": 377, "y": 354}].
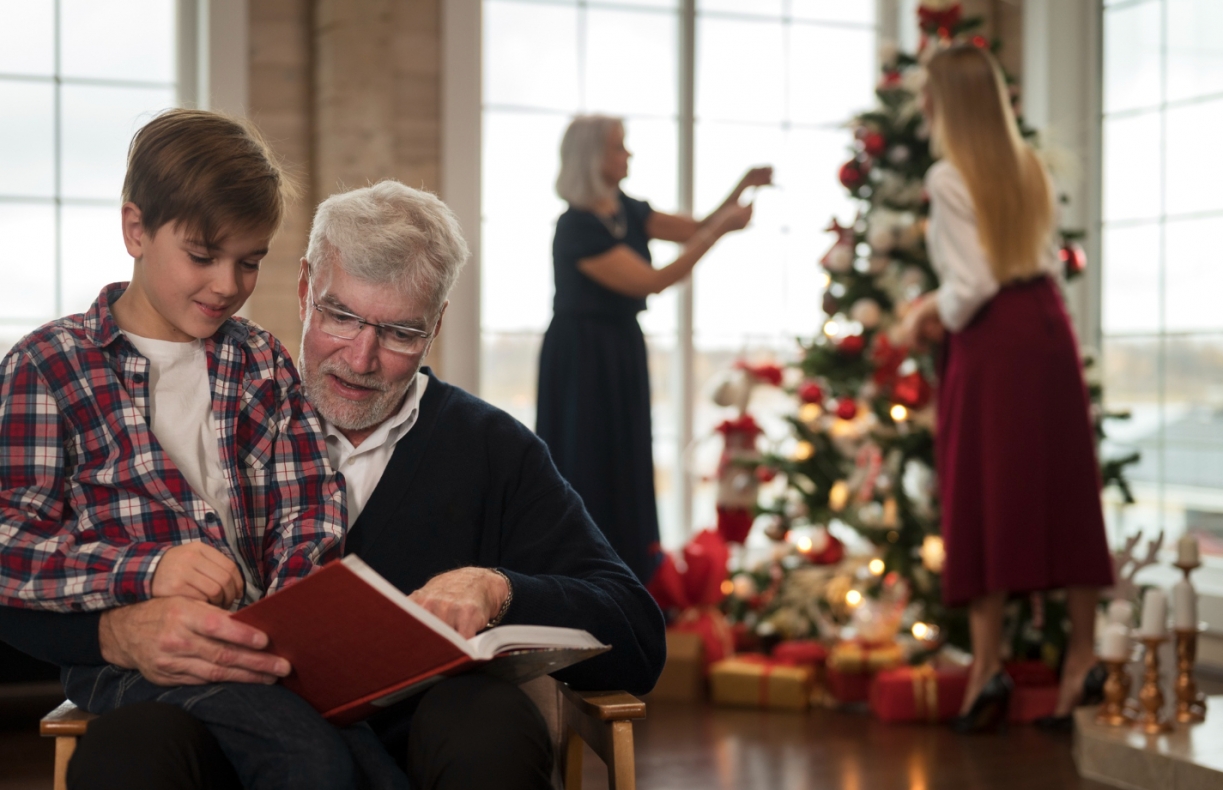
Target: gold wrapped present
[
  {"x": 759, "y": 682},
  {"x": 853, "y": 656}
]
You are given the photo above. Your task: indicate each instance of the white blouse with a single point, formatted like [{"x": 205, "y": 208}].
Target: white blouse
[{"x": 954, "y": 245}]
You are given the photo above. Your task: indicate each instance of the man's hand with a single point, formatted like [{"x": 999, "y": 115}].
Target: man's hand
[
  {"x": 465, "y": 599},
  {"x": 177, "y": 641},
  {"x": 196, "y": 570}
]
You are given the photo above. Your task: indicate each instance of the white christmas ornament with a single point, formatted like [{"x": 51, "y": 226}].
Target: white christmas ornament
[
  {"x": 866, "y": 312},
  {"x": 839, "y": 259}
]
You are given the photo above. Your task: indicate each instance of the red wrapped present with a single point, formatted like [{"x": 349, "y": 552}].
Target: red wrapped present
[
  {"x": 846, "y": 687},
  {"x": 852, "y": 664},
  {"x": 1029, "y": 703},
  {"x": 908, "y": 694},
  {"x": 1031, "y": 673},
  {"x": 801, "y": 652},
  {"x": 757, "y": 681},
  {"x": 699, "y": 581}
]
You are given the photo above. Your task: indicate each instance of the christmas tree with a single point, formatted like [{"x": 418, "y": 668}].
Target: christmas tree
[{"x": 864, "y": 426}]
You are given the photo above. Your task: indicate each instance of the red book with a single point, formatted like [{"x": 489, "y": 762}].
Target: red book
[{"x": 358, "y": 644}]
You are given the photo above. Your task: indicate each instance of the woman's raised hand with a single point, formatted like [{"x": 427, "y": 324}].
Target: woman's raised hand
[
  {"x": 757, "y": 177},
  {"x": 734, "y": 217}
]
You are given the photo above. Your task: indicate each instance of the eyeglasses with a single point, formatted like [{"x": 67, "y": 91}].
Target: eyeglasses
[{"x": 346, "y": 326}]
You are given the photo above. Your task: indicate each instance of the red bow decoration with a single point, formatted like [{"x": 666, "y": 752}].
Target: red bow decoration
[
  {"x": 700, "y": 583},
  {"x": 887, "y": 359},
  {"x": 943, "y": 21},
  {"x": 768, "y": 372},
  {"x": 743, "y": 425}
]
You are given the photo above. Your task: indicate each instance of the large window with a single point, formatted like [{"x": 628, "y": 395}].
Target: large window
[
  {"x": 772, "y": 81},
  {"x": 77, "y": 78},
  {"x": 1163, "y": 269}
]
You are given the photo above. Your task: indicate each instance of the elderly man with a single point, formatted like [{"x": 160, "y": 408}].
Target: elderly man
[{"x": 448, "y": 498}]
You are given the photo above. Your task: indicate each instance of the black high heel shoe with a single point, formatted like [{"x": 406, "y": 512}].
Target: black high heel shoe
[
  {"x": 1092, "y": 693},
  {"x": 989, "y": 709}
]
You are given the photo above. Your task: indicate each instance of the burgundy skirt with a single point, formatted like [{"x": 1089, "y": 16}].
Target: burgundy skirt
[{"x": 1018, "y": 478}]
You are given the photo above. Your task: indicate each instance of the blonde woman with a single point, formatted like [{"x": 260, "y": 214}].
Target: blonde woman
[
  {"x": 594, "y": 388},
  {"x": 1018, "y": 477}
]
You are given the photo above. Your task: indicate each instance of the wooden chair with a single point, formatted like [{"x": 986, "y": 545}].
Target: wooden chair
[{"x": 601, "y": 719}]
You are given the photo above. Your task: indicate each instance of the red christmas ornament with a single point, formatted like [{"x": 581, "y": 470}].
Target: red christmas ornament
[
  {"x": 1074, "y": 259},
  {"x": 912, "y": 391},
  {"x": 765, "y": 474},
  {"x": 847, "y": 408},
  {"x": 832, "y": 552},
  {"x": 810, "y": 392},
  {"x": 874, "y": 143},
  {"x": 852, "y": 344},
  {"x": 887, "y": 359},
  {"x": 852, "y": 174},
  {"x": 979, "y": 42}
]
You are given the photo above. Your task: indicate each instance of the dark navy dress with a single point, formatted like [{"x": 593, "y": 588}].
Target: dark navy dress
[{"x": 594, "y": 387}]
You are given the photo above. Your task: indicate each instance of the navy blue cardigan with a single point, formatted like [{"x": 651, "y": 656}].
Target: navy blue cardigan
[{"x": 468, "y": 485}]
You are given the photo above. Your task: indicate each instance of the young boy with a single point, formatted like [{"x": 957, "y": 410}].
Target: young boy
[{"x": 158, "y": 446}]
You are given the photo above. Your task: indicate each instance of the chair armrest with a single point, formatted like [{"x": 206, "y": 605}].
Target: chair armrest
[
  {"x": 605, "y": 705},
  {"x": 65, "y": 721}
]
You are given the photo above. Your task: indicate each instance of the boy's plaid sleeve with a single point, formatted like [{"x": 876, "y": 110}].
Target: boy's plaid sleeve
[
  {"x": 45, "y": 562},
  {"x": 307, "y": 517}
]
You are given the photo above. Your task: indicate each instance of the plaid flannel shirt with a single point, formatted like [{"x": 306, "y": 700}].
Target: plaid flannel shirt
[{"x": 89, "y": 500}]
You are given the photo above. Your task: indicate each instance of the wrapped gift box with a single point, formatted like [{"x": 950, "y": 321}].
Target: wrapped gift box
[
  {"x": 801, "y": 652},
  {"x": 710, "y": 625},
  {"x": 1029, "y": 703},
  {"x": 910, "y": 694},
  {"x": 683, "y": 676},
  {"x": 760, "y": 682},
  {"x": 852, "y": 664}
]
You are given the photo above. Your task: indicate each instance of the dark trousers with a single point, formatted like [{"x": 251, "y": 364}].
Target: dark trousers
[
  {"x": 472, "y": 731},
  {"x": 273, "y": 739}
]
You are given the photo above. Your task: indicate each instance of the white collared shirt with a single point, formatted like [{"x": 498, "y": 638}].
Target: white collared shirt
[{"x": 362, "y": 466}]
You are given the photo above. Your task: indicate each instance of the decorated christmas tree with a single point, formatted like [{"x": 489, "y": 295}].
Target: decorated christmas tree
[{"x": 864, "y": 425}]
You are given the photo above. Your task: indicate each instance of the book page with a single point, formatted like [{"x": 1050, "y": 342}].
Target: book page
[{"x": 528, "y": 637}]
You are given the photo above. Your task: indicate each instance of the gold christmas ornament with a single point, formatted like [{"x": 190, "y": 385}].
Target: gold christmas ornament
[
  {"x": 810, "y": 412},
  {"x": 804, "y": 451},
  {"x": 838, "y": 496}
]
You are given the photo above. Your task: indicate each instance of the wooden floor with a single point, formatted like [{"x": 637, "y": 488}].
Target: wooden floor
[{"x": 698, "y": 746}]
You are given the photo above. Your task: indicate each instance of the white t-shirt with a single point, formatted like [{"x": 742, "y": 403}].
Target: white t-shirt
[{"x": 180, "y": 416}]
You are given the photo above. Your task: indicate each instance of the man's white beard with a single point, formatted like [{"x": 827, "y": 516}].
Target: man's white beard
[{"x": 345, "y": 414}]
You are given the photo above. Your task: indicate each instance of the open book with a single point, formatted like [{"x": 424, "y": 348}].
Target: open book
[{"x": 357, "y": 643}]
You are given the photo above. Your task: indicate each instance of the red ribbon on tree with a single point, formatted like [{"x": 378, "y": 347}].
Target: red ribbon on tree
[{"x": 943, "y": 21}]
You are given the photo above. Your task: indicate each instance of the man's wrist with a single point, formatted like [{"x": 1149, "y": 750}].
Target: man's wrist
[
  {"x": 109, "y": 643},
  {"x": 505, "y": 603}
]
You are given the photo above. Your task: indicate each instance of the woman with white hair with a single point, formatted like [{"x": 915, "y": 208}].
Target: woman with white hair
[{"x": 594, "y": 387}]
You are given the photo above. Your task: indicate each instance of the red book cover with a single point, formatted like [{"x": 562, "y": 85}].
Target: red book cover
[{"x": 357, "y": 643}]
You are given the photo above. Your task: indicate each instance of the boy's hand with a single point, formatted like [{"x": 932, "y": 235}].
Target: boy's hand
[
  {"x": 196, "y": 570},
  {"x": 175, "y": 642}
]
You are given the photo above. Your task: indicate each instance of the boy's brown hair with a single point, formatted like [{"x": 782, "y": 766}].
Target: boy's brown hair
[{"x": 212, "y": 174}]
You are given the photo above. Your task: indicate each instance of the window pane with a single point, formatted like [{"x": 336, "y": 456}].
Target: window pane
[
  {"x": 1194, "y": 275},
  {"x": 1194, "y": 171},
  {"x": 834, "y": 10},
  {"x": 740, "y": 70},
  {"x": 27, "y": 139},
  {"x": 93, "y": 254},
  {"x": 1131, "y": 279},
  {"x": 1195, "y": 48},
  {"x": 1132, "y": 167},
  {"x": 531, "y": 55},
  {"x": 27, "y": 37},
  {"x": 817, "y": 53},
  {"x": 754, "y": 7},
  {"x": 641, "y": 79},
  {"x": 1131, "y": 57},
  {"x": 27, "y": 264},
  {"x": 119, "y": 39},
  {"x": 509, "y": 370},
  {"x": 98, "y": 124},
  {"x": 1194, "y": 367},
  {"x": 724, "y": 152}
]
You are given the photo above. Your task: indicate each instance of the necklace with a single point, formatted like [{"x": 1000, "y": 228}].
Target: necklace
[{"x": 617, "y": 225}]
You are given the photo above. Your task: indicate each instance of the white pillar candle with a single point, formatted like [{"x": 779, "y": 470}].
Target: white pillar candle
[
  {"x": 1116, "y": 643},
  {"x": 1121, "y": 612},
  {"x": 1184, "y": 606},
  {"x": 1187, "y": 550},
  {"x": 1154, "y": 613}
]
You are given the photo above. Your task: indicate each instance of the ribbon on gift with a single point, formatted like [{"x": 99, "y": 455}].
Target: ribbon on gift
[
  {"x": 766, "y": 670},
  {"x": 925, "y": 693},
  {"x": 856, "y": 656}
]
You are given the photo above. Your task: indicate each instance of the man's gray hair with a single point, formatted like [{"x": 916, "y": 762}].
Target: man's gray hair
[
  {"x": 583, "y": 149},
  {"x": 390, "y": 234}
]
